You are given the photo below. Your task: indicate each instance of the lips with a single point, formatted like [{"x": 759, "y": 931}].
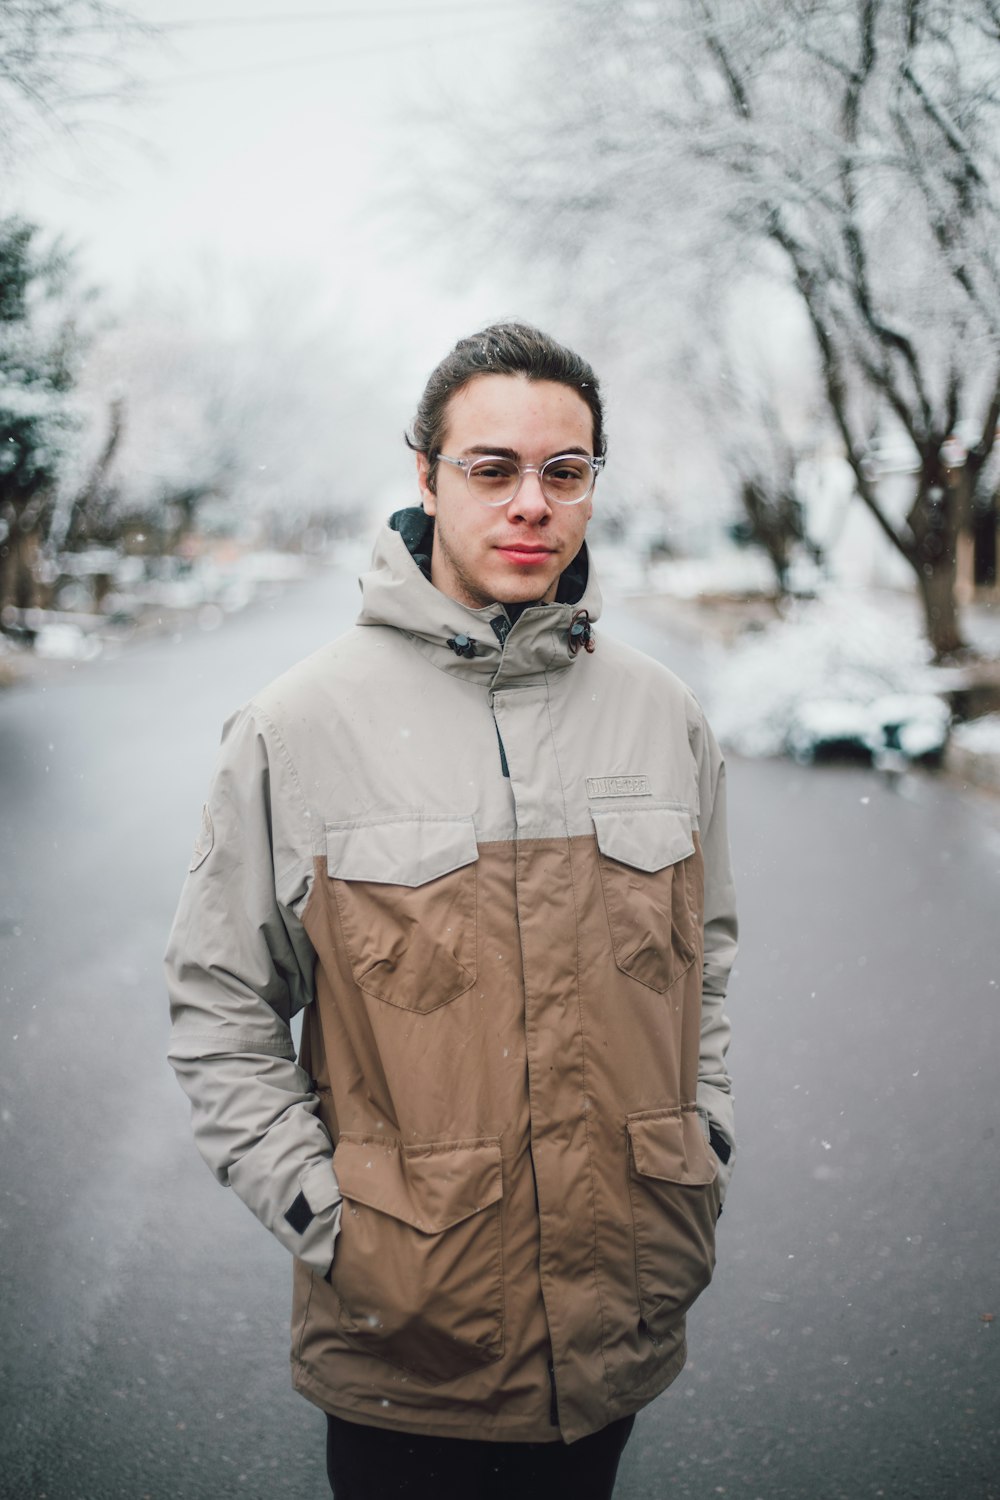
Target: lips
[{"x": 523, "y": 552}]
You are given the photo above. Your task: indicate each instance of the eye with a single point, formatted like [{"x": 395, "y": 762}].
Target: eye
[
  {"x": 567, "y": 471},
  {"x": 493, "y": 471}
]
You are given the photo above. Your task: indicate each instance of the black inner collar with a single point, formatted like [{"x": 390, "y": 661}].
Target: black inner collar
[{"x": 417, "y": 530}]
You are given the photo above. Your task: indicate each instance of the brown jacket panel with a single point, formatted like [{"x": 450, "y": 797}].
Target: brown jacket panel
[{"x": 505, "y": 1149}]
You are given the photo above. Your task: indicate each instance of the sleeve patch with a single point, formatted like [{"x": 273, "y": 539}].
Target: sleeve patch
[
  {"x": 300, "y": 1215},
  {"x": 720, "y": 1145}
]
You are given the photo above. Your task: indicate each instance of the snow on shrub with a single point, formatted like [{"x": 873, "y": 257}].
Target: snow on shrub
[{"x": 829, "y": 657}]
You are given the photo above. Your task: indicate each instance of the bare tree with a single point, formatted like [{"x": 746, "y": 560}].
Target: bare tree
[{"x": 60, "y": 61}]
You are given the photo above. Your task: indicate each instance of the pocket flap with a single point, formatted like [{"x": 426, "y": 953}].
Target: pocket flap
[
  {"x": 430, "y": 1187},
  {"x": 670, "y": 1144},
  {"x": 400, "y": 851},
  {"x": 649, "y": 838}
]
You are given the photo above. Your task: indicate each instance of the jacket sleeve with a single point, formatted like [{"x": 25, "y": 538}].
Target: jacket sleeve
[
  {"x": 714, "y": 1084},
  {"x": 239, "y": 966}
]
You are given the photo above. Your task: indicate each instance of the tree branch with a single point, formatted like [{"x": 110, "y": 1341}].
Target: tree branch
[
  {"x": 940, "y": 225},
  {"x": 836, "y": 386},
  {"x": 737, "y": 91},
  {"x": 890, "y": 338},
  {"x": 948, "y": 129},
  {"x": 860, "y": 285}
]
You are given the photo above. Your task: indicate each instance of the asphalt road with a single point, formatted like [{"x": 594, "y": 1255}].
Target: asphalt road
[{"x": 844, "y": 1349}]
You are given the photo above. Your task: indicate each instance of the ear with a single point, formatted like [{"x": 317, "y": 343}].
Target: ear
[{"x": 427, "y": 495}]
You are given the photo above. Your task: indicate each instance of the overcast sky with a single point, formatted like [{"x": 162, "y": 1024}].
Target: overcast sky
[
  {"x": 265, "y": 136},
  {"x": 272, "y": 139}
]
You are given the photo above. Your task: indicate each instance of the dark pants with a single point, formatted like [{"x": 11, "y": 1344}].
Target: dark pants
[{"x": 373, "y": 1463}]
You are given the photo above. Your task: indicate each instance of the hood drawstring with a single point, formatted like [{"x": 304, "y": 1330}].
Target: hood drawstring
[
  {"x": 462, "y": 645},
  {"x": 580, "y": 633}
]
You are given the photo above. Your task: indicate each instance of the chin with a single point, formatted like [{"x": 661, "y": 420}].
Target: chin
[{"x": 523, "y": 589}]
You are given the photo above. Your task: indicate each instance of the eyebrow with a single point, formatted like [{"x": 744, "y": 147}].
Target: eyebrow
[{"x": 488, "y": 451}]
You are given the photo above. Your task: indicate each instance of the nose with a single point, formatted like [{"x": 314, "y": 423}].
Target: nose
[{"x": 529, "y": 504}]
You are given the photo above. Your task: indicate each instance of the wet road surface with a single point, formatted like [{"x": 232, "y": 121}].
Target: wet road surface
[{"x": 845, "y": 1348}]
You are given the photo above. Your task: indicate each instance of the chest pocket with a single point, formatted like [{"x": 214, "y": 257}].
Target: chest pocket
[
  {"x": 649, "y": 891},
  {"x": 405, "y": 891}
]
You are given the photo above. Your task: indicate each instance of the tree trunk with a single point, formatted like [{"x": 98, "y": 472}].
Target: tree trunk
[
  {"x": 985, "y": 527},
  {"x": 936, "y": 586},
  {"x": 79, "y": 522},
  {"x": 772, "y": 527},
  {"x": 18, "y": 561},
  {"x": 938, "y": 514}
]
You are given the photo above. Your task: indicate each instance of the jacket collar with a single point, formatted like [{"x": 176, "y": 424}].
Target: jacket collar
[{"x": 398, "y": 592}]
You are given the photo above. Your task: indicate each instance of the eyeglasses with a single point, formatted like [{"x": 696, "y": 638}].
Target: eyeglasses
[{"x": 565, "y": 480}]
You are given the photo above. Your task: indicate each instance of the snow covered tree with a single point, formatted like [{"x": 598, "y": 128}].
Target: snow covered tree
[
  {"x": 850, "y": 147},
  {"x": 235, "y": 400},
  {"x": 862, "y": 143},
  {"x": 750, "y": 375},
  {"x": 40, "y": 349}
]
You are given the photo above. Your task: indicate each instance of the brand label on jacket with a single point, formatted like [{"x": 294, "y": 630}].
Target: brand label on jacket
[{"x": 618, "y": 786}]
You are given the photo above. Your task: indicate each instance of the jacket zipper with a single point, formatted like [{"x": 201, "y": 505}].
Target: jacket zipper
[{"x": 501, "y": 629}]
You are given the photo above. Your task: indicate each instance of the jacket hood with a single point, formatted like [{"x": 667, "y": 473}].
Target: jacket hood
[{"x": 494, "y": 645}]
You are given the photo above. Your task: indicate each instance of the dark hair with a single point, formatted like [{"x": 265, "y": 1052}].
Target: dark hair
[{"x": 501, "y": 349}]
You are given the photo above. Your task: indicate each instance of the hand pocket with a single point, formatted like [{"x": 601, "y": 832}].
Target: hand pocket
[
  {"x": 418, "y": 1264},
  {"x": 675, "y": 1204}
]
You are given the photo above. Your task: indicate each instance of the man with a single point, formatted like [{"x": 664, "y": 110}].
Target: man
[{"x": 484, "y": 850}]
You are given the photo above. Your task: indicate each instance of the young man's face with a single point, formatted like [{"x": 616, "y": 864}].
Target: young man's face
[{"x": 514, "y": 553}]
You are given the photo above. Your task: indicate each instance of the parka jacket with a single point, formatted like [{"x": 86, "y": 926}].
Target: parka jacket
[{"x": 489, "y": 864}]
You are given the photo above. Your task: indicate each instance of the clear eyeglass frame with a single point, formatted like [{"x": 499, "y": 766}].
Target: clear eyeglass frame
[{"x": 472, "y": 466}]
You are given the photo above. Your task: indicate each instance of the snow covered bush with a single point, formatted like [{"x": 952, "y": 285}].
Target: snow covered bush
[{"x": 827, "y": 663}]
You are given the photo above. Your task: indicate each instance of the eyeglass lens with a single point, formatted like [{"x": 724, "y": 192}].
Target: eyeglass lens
[{"x": 564, "y": 480}]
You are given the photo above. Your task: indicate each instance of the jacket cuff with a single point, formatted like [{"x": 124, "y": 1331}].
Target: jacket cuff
[
  {"x": 318, "y": 1182},
  {"x": 716, "y": 1111},
  {"x": 314, "y": 1214}
]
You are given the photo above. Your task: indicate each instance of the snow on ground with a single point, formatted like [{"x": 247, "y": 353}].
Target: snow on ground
[
  {"x": 732, "y": 571},
  {"x": 623, "y": 569},
  {"x": 981, "y": 736},
  {"x": 974, "y": 752},
  {"x": 66, "y": 642},
  {"x": 845, "y": 669},
  {"x": 844, "y": 650},
  {"x": 981, "y": 624}
]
